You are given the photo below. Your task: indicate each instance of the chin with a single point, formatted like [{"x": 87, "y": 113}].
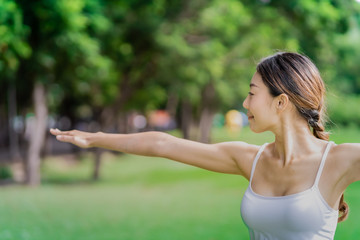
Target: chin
[{"x": 255, "y": 130}]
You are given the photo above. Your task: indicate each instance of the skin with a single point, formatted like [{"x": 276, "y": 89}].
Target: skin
[{"x": 287, "y": 166}]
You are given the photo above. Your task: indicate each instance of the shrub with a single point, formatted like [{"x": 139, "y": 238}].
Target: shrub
[
  {"x": 344, "y": 110},
  {"x": 5, "y": 172}
]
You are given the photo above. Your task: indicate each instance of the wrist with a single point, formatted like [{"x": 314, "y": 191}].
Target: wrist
[{"x": 94, "y": 139}]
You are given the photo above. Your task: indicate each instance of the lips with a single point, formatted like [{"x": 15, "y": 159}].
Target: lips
[{"x": 250, "y": 117}]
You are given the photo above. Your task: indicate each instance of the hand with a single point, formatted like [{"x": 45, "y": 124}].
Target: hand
[{"x": 78, "y": 138}]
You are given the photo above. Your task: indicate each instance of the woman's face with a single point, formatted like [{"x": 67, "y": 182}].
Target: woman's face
[{"x": 260, "y": 105}]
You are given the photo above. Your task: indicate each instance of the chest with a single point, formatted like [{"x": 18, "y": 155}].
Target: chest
[
  {"x": 303, "y": 212},
  {"x": 271, "y": 178}
]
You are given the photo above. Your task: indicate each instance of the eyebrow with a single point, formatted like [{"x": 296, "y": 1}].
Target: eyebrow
[{"x": 253, "y": 85}]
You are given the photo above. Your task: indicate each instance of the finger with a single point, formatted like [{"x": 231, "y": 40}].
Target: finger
[
  {"x": 65, "y": 138},
  {"x": 58, "y": 132},
  {"x": 55, "y": 131}
]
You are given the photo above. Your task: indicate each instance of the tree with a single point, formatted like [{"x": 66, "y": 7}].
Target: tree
[
  {"x": 13, "y": 48},
  {"x": 210, "y": 49},
  {"x": 64, "y": 55}
]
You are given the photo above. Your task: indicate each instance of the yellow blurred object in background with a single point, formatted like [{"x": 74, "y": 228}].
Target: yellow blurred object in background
[{"x": 233, "y": 121}]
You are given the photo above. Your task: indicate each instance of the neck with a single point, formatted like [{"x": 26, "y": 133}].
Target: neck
[{"x": 293, "y": 139}]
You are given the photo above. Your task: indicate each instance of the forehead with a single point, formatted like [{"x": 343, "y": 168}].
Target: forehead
[{"x": 256, "y": 81}]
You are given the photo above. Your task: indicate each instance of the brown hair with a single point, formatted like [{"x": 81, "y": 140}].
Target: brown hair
[{"x": 296, "y": 76}]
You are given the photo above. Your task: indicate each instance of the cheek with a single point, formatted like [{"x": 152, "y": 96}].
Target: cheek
[
  {"x": 260, "y": 105},
  {"x": 257, "y": 106},
  {"x": 264, "y": 116}
]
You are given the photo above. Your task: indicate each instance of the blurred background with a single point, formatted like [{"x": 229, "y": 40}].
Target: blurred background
[{"x": 121, "y": 66}]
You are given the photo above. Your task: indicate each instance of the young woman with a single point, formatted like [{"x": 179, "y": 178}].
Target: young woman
[{"x": 296, "y": 183}]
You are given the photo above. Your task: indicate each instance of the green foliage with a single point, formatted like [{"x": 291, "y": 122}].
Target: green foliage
[
  {"x": 5, "y": 173},
  {"x": 344, "y": 109},
  {"x": 130, "y": 46},
  {"x": 131, "y": 55},
  {"x": 67, "y": 53},
  {"x": 219, "y": 42},
  {"x": 346, "y": 75},
  {"x": 13, "y": 33}
]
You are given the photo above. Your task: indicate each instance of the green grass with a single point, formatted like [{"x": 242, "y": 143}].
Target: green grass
[{"x": 141, "y": 198}]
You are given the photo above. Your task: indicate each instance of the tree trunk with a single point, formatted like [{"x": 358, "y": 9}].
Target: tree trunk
[
  {"x": 13, "y": 136},
  {"x": 172, "y": 104},
  {"x": 37, "y": 136},
  {"x": 122, "y": 122},
  {"x": 186, "y": 119},
  {"x": 97, "y": 163},
  {"x": 208, "y": 106},
  {"x": 206, "y": 119},
  {"x": 107, "y": 122}
]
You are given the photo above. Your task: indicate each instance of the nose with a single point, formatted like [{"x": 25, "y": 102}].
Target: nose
[{"x": 245, "y": 103}]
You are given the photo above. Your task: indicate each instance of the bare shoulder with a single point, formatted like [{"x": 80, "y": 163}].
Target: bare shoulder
[
  {"x": 347, "y": 157},
  {"x": 242, "y": 153},
  {"x": 349, "y": 151}
]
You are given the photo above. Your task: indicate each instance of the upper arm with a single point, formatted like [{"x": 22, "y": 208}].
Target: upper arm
[
  {"x": 350, "y": 157},
  {"x": 227, "y": 157}
]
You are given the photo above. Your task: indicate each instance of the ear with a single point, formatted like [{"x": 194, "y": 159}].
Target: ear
[{"x": 282, "y": 101}]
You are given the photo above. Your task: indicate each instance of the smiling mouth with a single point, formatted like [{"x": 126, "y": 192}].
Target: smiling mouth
[{"x": 250, "y": 117}]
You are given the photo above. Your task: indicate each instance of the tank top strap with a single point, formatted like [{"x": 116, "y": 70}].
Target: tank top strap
[
  {"x": 322, "y": 163},
  {"x": 256, "y": 160}
]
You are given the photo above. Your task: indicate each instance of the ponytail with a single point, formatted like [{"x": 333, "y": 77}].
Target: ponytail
[{"x": 343, "y": 209}]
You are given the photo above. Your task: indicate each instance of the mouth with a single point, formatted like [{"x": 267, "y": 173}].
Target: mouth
[{"x": 250, "y": 117}]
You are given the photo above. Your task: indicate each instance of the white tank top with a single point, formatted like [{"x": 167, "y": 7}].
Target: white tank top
[{"x": 300, "y": 216}]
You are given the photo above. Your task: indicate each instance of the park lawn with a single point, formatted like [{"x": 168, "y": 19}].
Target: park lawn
[{"x": 141, "y": 198}]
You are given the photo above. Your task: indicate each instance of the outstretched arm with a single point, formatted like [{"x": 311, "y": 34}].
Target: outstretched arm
[{"x": 232, "y": 157}]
